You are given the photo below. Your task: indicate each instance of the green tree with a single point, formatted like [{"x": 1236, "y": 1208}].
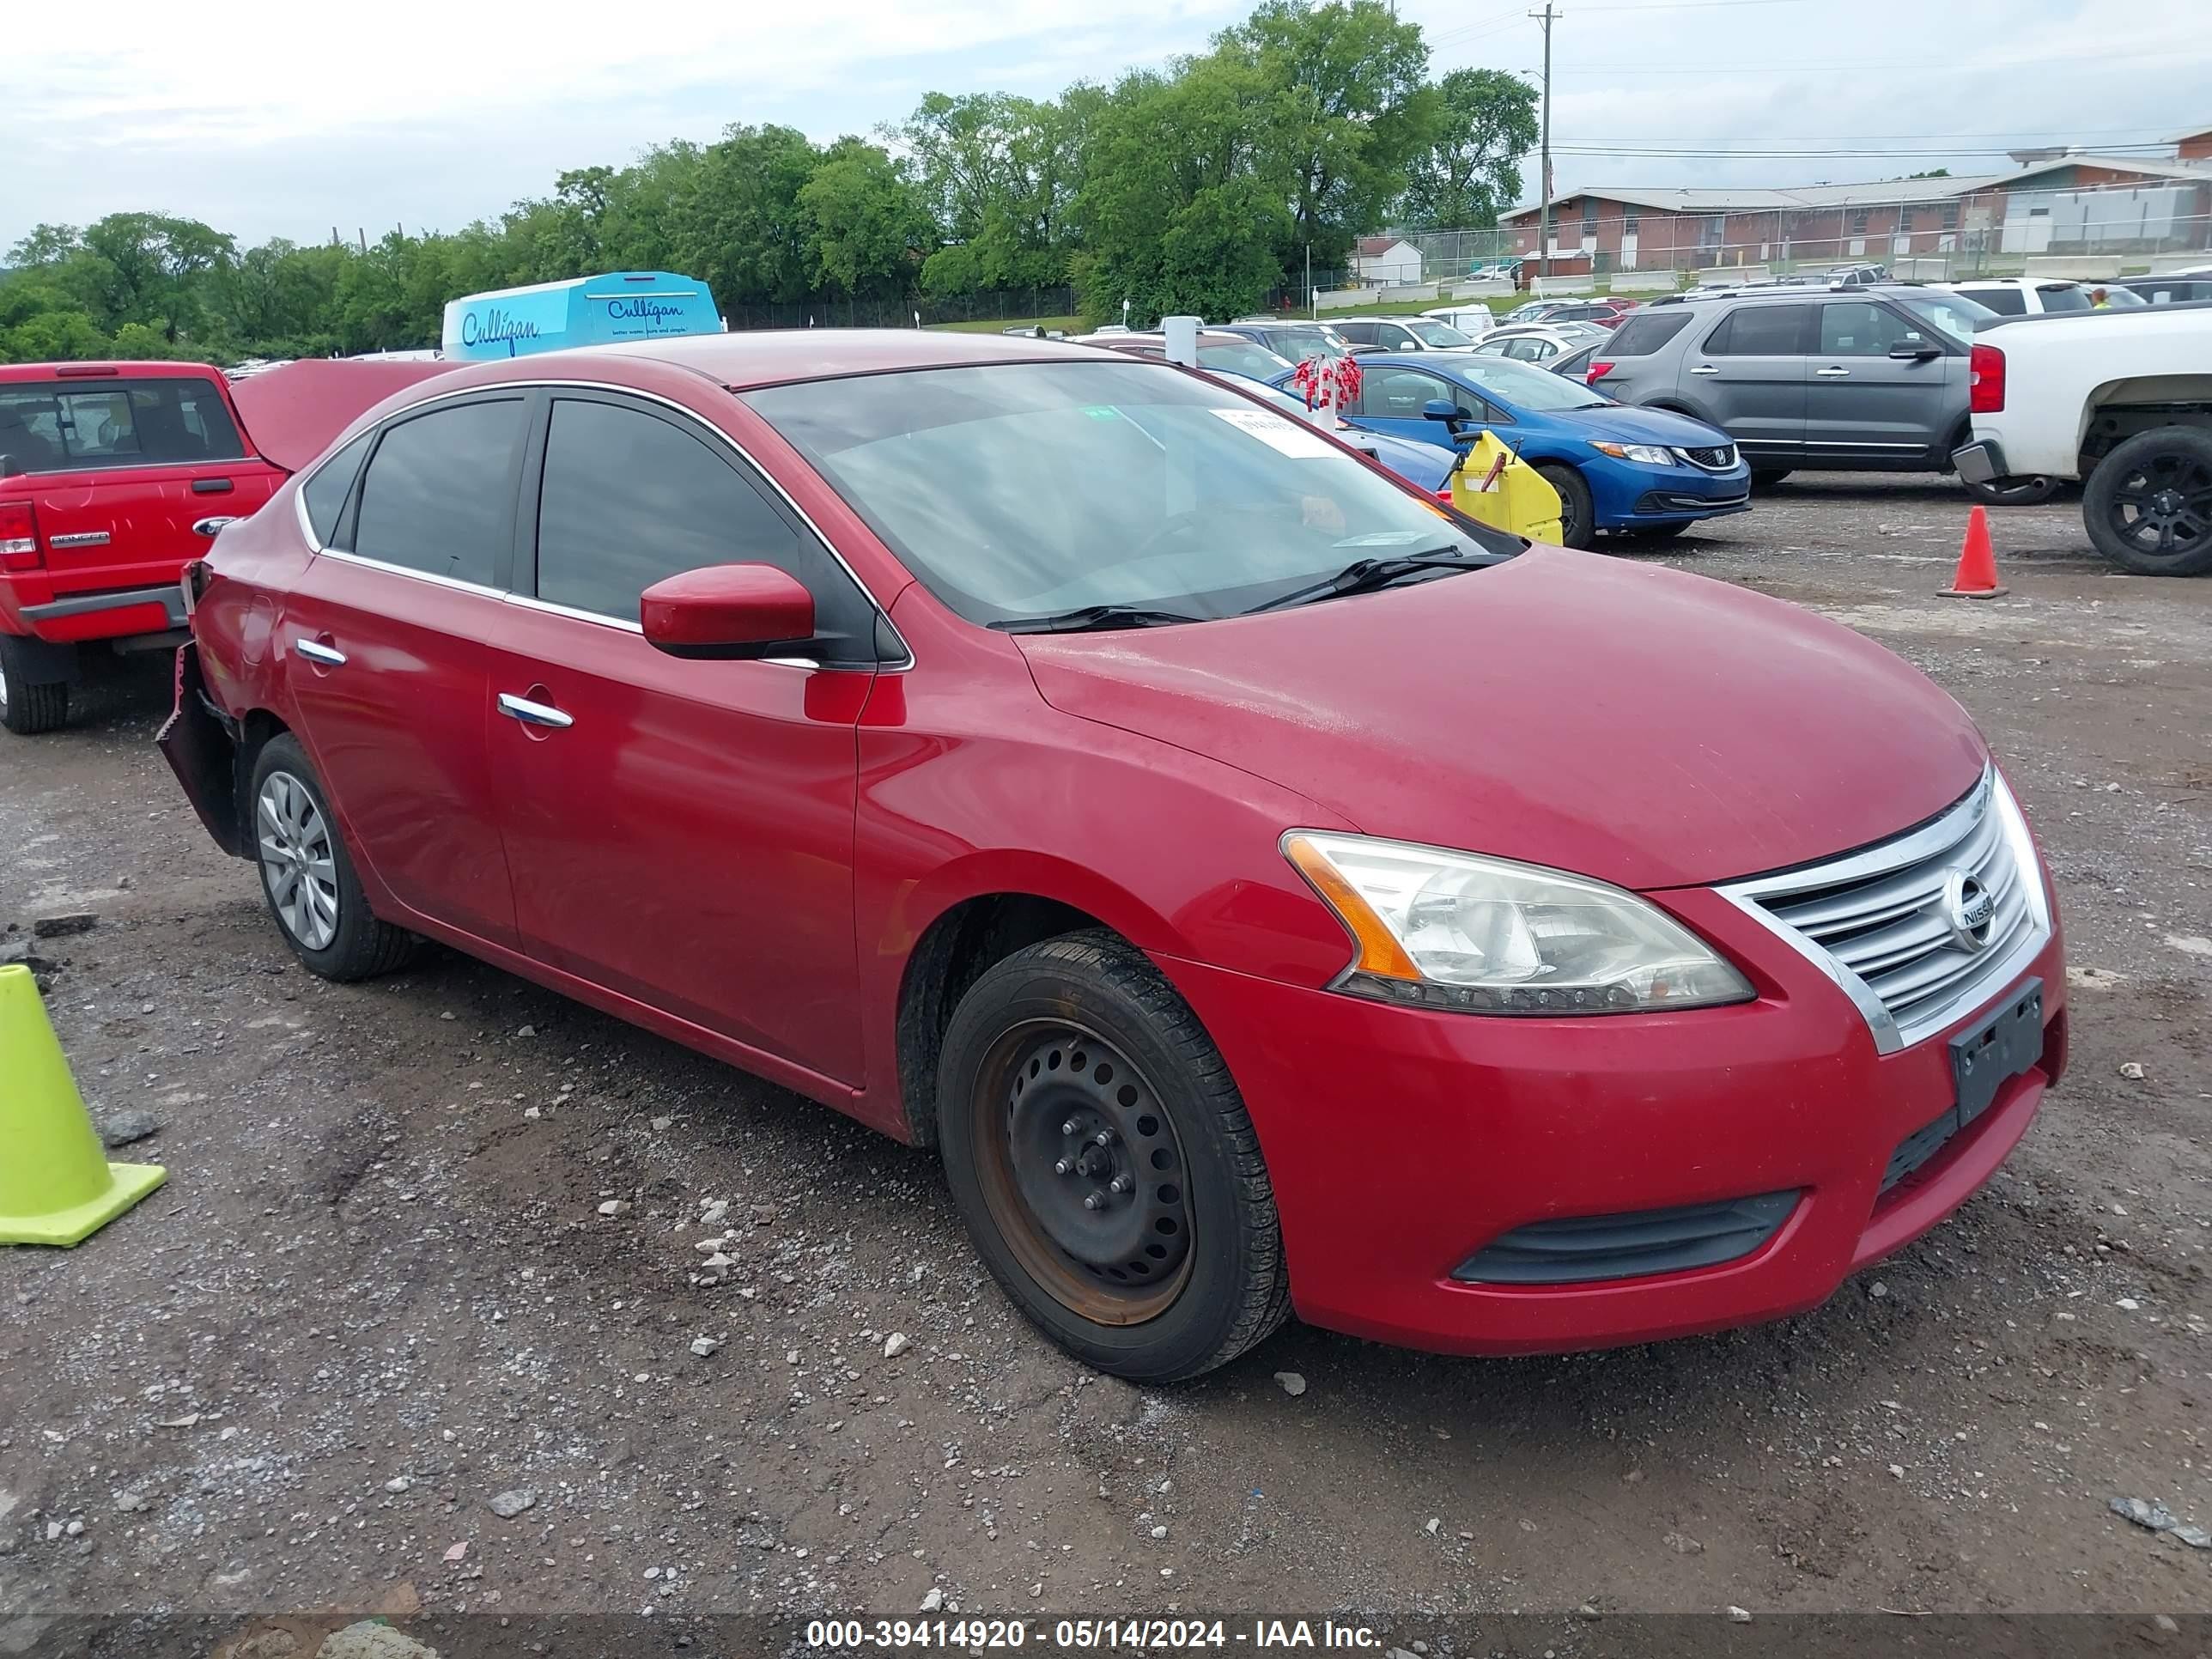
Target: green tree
[
  {"x": 1349, "y": 110},
  {"x": 1470, "y": 166},
  {"x": 736, "y": 223},
  {"x": 1185, "y": 201},
  {"x": 866, "y": 228}
]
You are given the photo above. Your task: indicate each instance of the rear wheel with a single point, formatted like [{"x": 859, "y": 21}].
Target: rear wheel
[
  {"x": 28, "y": 705},
  {"x": 308, "y": 876},
  {"x": 1102, "y": 1158},
  {"x": 2148, "y": 504},
  {"x": 1575, "y": 528},
  {"x": 1765, "y": 477}
]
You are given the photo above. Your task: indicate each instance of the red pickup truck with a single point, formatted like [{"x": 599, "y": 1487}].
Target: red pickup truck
[{"x": 113, "y": 476}]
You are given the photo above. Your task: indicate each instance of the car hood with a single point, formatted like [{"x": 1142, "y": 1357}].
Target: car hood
[
  {"x": 1636, "y": 724},
  {"x": 1628, "y": 423}
]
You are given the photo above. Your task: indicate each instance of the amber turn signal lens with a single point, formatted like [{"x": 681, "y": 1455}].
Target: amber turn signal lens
[{"x": 1379, "y": 950}]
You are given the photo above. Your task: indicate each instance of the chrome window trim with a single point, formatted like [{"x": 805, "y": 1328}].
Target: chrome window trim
[
  {"x": 432, "y": 577},
  {"x": 308, "y": 530},
  {"x": 1990, "y": 793}
]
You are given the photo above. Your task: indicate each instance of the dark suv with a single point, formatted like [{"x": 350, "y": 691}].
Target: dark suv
[{"x": 1843, "y": 379}]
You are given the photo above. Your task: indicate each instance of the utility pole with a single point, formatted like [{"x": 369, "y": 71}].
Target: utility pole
[{"x": 1544, "y": 185}]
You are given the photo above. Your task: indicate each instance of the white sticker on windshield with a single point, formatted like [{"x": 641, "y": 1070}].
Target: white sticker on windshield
[{"x": 1291, "y": 437}]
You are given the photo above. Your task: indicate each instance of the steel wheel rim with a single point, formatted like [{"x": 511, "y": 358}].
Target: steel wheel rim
[
  {"x": 1126, "y": 1259},
  {"x": 299, "y": 866},
  {"x": 2164, "y": 507}
]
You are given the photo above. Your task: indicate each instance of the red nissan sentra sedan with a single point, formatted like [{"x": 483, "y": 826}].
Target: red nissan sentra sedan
[{"x": 1266, "y": 891}]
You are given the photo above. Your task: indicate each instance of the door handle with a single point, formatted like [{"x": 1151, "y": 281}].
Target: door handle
[
  {"x": 1704, "y": 369},
  {"x": 534, "y": 713},
  {"x": 315, "y": 651},
  {"x": 211, "y": 527},
  {"x": 212, "y": 486},
  {"x": 1830, "y": 373}
]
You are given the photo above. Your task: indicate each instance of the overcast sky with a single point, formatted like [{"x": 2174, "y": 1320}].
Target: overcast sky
[{"x": 287, "y": 124}]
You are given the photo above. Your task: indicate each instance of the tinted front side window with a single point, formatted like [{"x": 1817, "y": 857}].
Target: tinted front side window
[
  {"x": 68, "y": 425},
  {"x": 1857, "y": 328},
  {"x": 325, "y": 493},
  {"x": 629, "y": 498},
  {"x": 1358, "y": 333},
  {"x": 439, "y": 492},
  {"x": 1761, "y": 331}
]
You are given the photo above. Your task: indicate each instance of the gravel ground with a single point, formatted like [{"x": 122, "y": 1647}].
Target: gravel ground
[{"x": 381, "y": 1302}]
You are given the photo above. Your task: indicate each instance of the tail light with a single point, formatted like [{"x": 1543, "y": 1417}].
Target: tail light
[
  {"x": 1985, "y": 385},
  {"x": 1597, "y": 371},
  {"x": 18, "y": 536}
]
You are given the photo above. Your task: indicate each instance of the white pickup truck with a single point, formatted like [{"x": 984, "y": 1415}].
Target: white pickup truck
[{"x": 2121, "y": 399}]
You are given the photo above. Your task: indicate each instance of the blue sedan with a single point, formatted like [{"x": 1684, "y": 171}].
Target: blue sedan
[{"x": 1639, "y": 472}]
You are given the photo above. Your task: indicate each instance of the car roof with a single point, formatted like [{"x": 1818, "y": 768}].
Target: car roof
[
  {"x": 758, "y": 357},
  {"x": 1966, "y": 282},
  {"x": 17, "y": 373}
]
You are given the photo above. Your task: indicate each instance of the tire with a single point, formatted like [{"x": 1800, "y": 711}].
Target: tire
[
  {"x": 308, "y": 876},
  {"x": 2148, "y": 505},
  {"x": 1168, "y": 1278},
  {"x": 1765, "y": 477},
  {"x": 1654, "y": 532},
  {"x": 1575, "y": 529},
  {"x": 2029, "y": 491},
  {"x": 28, "y": 707}
]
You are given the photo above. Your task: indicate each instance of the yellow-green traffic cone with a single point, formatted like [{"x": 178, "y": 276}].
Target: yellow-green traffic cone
[{"x": 56, "y": 1186}]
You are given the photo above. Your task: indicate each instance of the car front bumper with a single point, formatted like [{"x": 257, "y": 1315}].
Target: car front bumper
[
  {"x": 1406, "y": 1145},
  {"x": 1627, "y": 493}
]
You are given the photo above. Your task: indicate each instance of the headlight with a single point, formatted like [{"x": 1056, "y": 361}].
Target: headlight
[
  {"x": 1649, "y": 454},
  {"x": 1485, "y": 936}
]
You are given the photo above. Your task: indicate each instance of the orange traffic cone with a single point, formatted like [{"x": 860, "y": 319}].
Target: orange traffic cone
[{"x": 1977, "y": 578}]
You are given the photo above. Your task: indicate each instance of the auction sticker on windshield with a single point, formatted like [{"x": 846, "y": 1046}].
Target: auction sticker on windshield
[{"x": 1277, "y": 433}]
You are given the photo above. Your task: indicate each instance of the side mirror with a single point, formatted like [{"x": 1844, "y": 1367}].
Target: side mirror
[
  {"x": 1440, "y": 409},
  {"x": 729, "y": 611},
  {"x": 1915, "y": 352}
]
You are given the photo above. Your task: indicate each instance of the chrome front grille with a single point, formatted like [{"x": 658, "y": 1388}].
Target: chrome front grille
[
  {"x": 1718, "y": 459},
  {"x": 1891, "y": 923}
]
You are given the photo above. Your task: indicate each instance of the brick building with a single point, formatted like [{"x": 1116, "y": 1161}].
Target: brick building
[{"x": 2054, "y": 202}]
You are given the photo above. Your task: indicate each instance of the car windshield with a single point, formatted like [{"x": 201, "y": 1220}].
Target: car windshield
[
  {"x": 1526, "y": 386},
  {"x": 1299, "y": 344},
  {"x": 1023, "y": 490},
  {"x": 1242, "y": 357},
  {"x": 1954, "y": 315},
  {"x": 1443, "y": 336}
]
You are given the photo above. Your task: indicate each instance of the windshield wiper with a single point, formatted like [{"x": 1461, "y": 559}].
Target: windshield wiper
[
  {"x": 1093, "y": 618},
  {"x": 1365, "y": 575}
]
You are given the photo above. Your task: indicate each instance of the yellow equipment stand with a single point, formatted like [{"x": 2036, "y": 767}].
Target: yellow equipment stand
[
  {"x": 1495, "y": 485},
  {"x": 56, "y": 1186}
]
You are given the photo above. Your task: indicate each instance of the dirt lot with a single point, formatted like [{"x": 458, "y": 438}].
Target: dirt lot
[{"x": 377, "y": 1292}]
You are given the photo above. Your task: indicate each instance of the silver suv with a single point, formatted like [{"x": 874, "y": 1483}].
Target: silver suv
[{"x": 1845, "y": 379}]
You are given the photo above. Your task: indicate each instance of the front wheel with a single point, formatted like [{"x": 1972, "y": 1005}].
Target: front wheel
[
  {"x": 1577, "y": 528},
  {"x": 1101, "y": 1156},
  {"x": 29, "y": 706},
  {"x": 308, "y": 876},
  {"x": 2147, "y": 506}
]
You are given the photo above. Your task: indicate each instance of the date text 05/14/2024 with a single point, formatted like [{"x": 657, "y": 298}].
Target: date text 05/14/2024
[{"x": 1086, "y": 1634}]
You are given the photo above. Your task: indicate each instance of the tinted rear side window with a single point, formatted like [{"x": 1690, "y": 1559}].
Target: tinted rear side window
[
  {"x": 1762, "y": 330},
  {"x": 2005, "y": 301},
  {"x": 325, "y": 493},
  {"x": 1357, "y": 333},
  {"x": 439, "y": 491},
  {"x": 1646, "y": 332},
  {"x": 2064, "y": 296},
  {"x": 68, "y": 425},
  {"x": 629, "y": 498}
]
